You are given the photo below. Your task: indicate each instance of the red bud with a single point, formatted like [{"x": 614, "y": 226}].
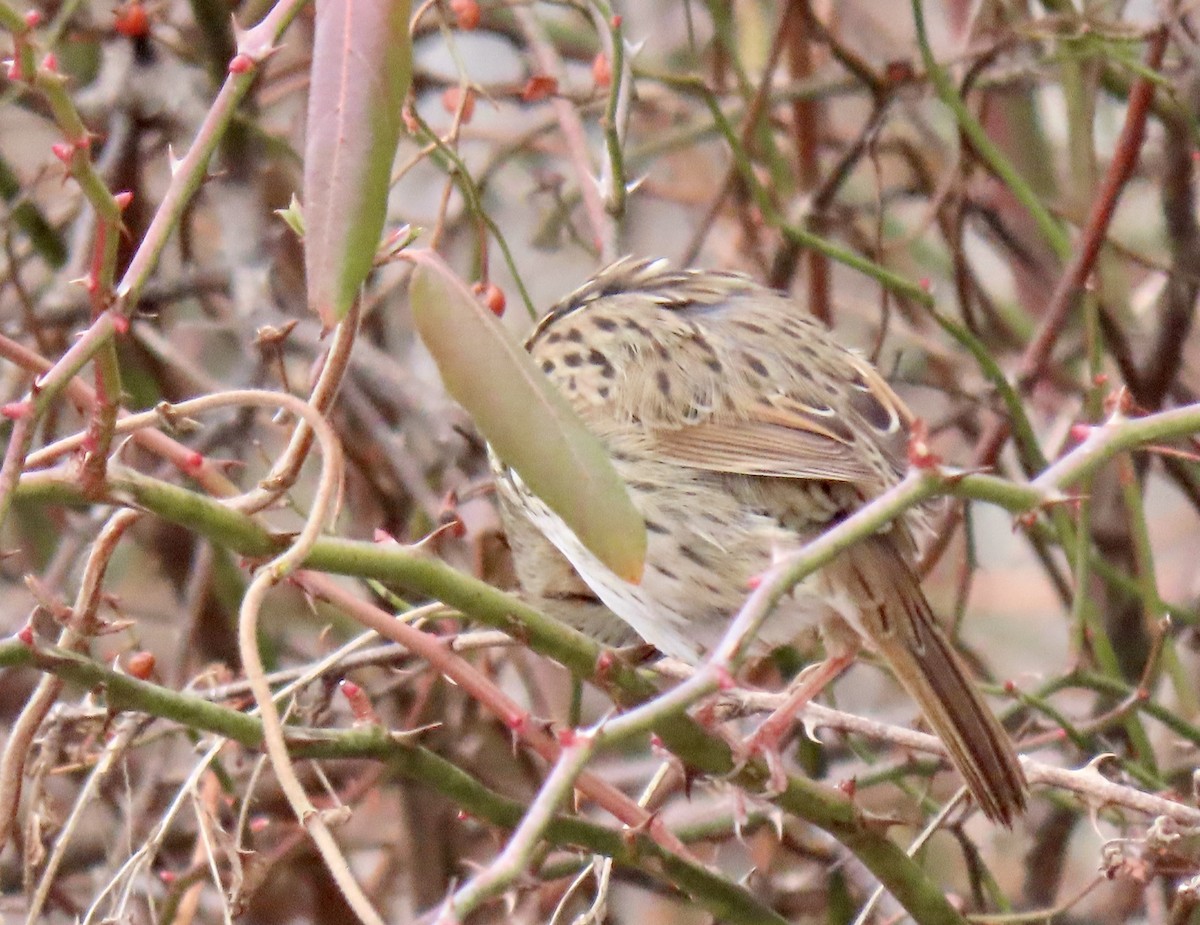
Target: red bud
[{"x": 601, "y": 70}]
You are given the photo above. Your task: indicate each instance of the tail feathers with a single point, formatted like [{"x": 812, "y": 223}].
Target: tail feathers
[{"x": 896, "y": 615}]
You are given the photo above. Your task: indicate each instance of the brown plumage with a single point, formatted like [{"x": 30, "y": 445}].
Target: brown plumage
[{"x": 742, "y": 429}]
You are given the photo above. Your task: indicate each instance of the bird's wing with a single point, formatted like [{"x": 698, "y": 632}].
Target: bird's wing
[
  {"x": 781, "y": 440},
  {"x": 793, "y": 433}
]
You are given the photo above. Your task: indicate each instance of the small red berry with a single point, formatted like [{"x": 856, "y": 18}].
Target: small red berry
[
  {"x": 241, "y": 64},
  {"x": 141, "y": 665},
  {"x": 490, "y": 295},
  {"x": 33, "y": 19},
  {"x": 132, "y": 21},
  {"x": 466, "y": 14},
  {"x": 493, "y": 298}
]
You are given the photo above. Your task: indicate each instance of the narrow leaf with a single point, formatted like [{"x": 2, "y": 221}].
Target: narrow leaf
[
  {"x": 528, "y": 423},
  {"x": 361, "y": 69}
]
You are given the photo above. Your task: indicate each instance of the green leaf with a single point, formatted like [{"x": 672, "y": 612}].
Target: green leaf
[
  {"x": 293, "y": 217},
  {"x": 361, "y": 70},
  {"x": 525, "y": 419}
]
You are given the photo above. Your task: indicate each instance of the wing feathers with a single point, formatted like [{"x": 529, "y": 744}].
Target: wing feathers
[{"x": 761, "y": 448}]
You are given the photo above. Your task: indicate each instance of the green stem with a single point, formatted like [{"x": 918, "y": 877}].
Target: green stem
[{"x": 1053, "y": 232}]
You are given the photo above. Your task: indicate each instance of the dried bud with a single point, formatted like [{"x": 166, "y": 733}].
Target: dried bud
[{"x": 539, "y": 87}]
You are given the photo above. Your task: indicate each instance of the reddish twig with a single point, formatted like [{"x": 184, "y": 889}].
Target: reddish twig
[{"x": 1075, "y": 276}]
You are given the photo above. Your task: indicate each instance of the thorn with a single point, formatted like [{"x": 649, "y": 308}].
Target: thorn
[
  {"x": 16, "y": 410},
  {"x": 920, "y": 454}
]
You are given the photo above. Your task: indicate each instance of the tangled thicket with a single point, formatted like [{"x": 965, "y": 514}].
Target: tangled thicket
[{"x": 995, "y": 202}]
